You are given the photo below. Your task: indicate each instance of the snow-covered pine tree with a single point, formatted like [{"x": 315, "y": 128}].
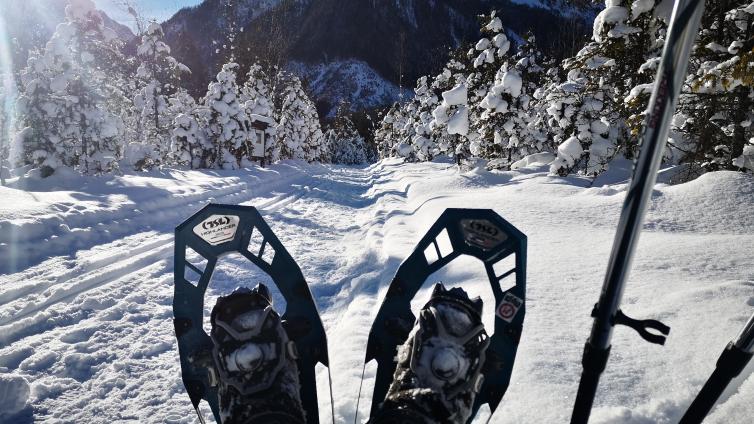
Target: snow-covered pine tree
[
  {"x": 406, "y": 130},
  {"x": 425, "y": 101},
  {"x": 385, "y": 133},
  {"x": 653, "y": 18},
  {"x": 505, "y": 117},
  {"x": 590, "y": 106},
  {"x": 37, "y": 114},
  {"x": 255, "y": 92},
  {"x": 189, "y": 143},
  {"x": 489, "y": 55},
  {"x": 256, "y": 98},
  {"x": 157, "y": 78},
  {"x": 62, "y": 110},
  {"x": 228, "y": 124},
  {"x": 394, "y": 136},
  {"x": 347, "y": 146},
  {"x": 716, "y": 115},
  {"x": 299, "y": 132},
  {"x": 529, "y": 134},
  {"x": 6, "y": 114},
  {"x": 450, "y": 118}
]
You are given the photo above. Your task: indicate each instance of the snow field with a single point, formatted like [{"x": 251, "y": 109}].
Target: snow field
[
  {"x": 91, "y": 330},
  {"x": 692, "y": 272}
]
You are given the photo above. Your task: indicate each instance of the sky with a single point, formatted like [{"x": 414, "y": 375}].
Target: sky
[{"x": 161, "y": 10}]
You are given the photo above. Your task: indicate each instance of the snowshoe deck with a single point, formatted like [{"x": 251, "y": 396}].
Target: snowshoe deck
[
  {"x": 480, "y": 233},
  {"x": 217, "y": 230}
]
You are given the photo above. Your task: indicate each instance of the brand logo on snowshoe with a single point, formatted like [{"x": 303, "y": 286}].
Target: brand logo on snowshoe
[
  {"x": 509, "y": 307},
  {"x": 217, "y": 229},
  {"x": 223, "y": 220},
  {"x": 482, "y": 233}
]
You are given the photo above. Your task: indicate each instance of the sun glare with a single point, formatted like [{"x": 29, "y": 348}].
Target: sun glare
[{"x": 6, "y": 79}]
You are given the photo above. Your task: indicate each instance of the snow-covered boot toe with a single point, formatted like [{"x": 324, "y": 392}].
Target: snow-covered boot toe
[
  {"x": 439, "y": 367},
  {"x": 255, "y": 360}
]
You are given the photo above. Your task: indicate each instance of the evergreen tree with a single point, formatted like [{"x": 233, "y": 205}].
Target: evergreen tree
[
  {"x": 716, "y": 111},
  {"x": 347, "y": 146},
  {"x": 450, "y": 118},
  {"x": 393, "y": 138},
  {"x": 189, "y": 145},
  {"x": 299, "y": 131},
  {"x": 529, "y": 134},
  {"x": 227, "y": 124},
  {"x": 62, "y": 111},
  {"x": 157, "y": 78},
  {"x": 5, "y": 126},
  {"x": 425, "y": 101},
  {"x": 255, "y": 93},
  {"x": 489, "y": 56},
  {"x": 593, "y": 104},
  {"x": 385, "y": 135}
]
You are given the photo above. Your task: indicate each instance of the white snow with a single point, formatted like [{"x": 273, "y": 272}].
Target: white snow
[
  {"x": 537, "y": 159},
  {"x": 86, "y": 284},
  {"x": 641, "y": 6},
  {"x": 611, "y": 15},
  {"x": 495, "y": 25},
  {"x": 14, "y": 394},
  {"x": 456, "y": 96},
  {"x": 568, "y": 153},
  {"x": 458, "y": 123},
  {"x": 482, "y": 44}
]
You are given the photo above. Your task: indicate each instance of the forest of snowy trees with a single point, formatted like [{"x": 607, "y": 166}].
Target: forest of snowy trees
[
  {"x": 504, "y": 103},
  {"x": 81, "y": 103}
]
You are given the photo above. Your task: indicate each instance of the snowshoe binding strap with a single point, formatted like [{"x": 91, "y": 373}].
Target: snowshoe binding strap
[
  {"x": 439, "y": 367},
  {"x": 450, "y": 342},
  {"x": 250, "y": 345},
  {"x": 255, "y": 360}
]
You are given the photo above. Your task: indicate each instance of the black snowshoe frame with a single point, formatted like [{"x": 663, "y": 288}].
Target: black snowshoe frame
[
  {"x": 213, "y": 232},
  {"x": 480, "y": 233}
]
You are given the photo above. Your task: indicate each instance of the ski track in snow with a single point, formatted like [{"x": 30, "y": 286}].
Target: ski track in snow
[{"x": 92, "y": 332}]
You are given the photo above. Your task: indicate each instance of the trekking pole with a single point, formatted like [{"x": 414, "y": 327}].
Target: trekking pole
[
  {"x": 732, "y": 361},
  {"x": 670, "y": 75}
]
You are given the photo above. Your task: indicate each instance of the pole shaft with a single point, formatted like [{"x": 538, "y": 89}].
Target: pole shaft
[
  {"x": 733, "y": 360},
  {"x": 730, "y": 364},
  {"x": 670, "y": 75}
]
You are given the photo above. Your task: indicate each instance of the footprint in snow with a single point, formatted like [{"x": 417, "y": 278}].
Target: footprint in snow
[{"x": 78, "y": 336}]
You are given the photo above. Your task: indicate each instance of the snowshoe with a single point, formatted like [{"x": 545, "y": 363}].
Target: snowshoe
[
  {"x": 480, "y": 233},
  {"x": 439, "y": 367},
  {"x": 207, "y": 366}
]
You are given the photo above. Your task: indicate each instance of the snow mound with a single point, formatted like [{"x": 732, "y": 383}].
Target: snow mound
[
  {"x": 537, "y": 159},
  {"x": 14, "y": 394}
]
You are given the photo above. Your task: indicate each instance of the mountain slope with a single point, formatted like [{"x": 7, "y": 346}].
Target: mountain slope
[{"x": 398, "y": 40}]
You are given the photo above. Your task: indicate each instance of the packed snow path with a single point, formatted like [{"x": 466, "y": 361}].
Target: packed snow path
[{"x": 86, "y": 283}]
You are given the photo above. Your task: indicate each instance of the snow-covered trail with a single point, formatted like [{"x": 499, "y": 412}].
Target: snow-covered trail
[
  {"x": 97, "y": 323},
  {"x": 92, "y": 332}
]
